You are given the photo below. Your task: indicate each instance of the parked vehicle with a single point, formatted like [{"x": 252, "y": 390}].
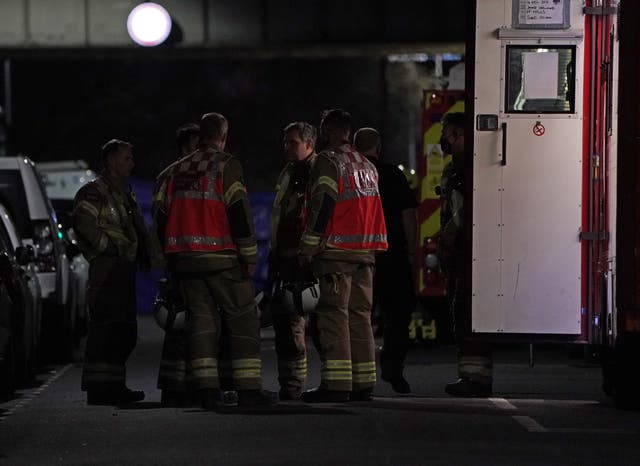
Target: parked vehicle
[
  {"x": 23, "y": 194},
  {"x": 32, "y": 318},
  {"x": 20, "y": 309},
  {"x": 62, "y": 180}
]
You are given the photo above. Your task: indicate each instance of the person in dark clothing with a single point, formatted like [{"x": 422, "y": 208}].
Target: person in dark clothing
[
  {"x": 475, "y": 362},
  {"x": 393, "y": 285}
]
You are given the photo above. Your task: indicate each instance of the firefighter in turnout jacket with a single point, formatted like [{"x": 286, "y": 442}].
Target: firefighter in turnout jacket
[
  {"x": 113, "y": 237},
  {"x": 206, "y": 227},
  {"x": 286, "y": 229},
  {"x": 175, "y": 370},
  {"x": 475, "y": 366},
  {"x": 344, "y": 228}
]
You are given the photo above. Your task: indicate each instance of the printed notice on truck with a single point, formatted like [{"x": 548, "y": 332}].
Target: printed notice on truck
[
  {"x": 540, "y": 75},
  {"x": 541, "y": 13}
]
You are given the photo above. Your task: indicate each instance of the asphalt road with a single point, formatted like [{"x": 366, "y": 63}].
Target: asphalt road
[{"x": 553, "y": 413}]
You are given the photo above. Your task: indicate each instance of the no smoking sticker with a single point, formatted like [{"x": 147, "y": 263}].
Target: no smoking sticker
[{"x": 538, "y": 129}]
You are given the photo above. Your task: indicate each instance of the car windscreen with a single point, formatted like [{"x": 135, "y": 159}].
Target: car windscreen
[{"x": 13, "y": 197}]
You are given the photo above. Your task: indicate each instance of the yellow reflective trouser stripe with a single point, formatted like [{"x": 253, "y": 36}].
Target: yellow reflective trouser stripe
[
  {"x": 249, "y": 363},
  {"x": 310, "y": 239},
  {"x": 173, "y": 374},
  {"x": 364, "y": 372},
  {"x": 336, "y": 369},
  {"x": 296, "y": 367},
  {"x": 177, "y": 365},
  {"x": 233, "y": 189},
  {"x": 205, "y": 367},
  {"x": 173, "y": 369},
  {"x": 246, "y": 368},
  {"x": 86, "y": 205},
  {"x": 248, "y": 250}
]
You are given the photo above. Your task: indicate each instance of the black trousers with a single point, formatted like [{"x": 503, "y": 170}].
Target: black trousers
[
  {"x": 112, "y": 323},
  {"x": 394, "y": 295}
]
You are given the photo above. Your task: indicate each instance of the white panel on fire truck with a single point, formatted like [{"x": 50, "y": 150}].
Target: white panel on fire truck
[
  {"x": 487, "y": 234},
  {"x": 13, "y": 27},
  {"x": 487, "y": 177},
  {"x": 108, "y": 22},
  {"x": 535, "y": 288},
  {"x": 542, "y": 215},
  {"x": 57, "y": 23}
]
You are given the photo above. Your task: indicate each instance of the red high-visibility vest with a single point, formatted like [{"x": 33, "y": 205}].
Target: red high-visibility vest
[
  {"x": 196, "y": 212},
  {"x": 357, "y": 222}
]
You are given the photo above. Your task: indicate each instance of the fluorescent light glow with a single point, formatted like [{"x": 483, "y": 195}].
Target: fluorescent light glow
[{"x": 149, "y": 24}]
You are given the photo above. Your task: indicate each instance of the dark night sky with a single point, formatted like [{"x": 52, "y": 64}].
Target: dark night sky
[{"x": 67, "y": 109}]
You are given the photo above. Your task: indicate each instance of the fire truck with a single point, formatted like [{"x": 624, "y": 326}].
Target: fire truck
[{"x": 551, "y": 198}]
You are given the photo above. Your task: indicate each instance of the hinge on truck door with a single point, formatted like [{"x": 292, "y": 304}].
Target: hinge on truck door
[
  {"x": 600, "y": 10},
  {"x": 594, "y": 236}
]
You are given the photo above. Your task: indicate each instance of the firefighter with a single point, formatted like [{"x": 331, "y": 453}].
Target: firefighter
[
  {"x": 112, "y": 236},
  {"x": 207, "y": 231},
  {"x": 286, "y": 229},
  {"x": 475, "y": 366},
  {"x": 393, "y": 282},
  {"x": 175, "y": 370},
  {"x": 344, "y": 228}
]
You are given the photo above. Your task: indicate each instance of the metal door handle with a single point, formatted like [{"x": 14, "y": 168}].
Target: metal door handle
[{"x": 503, "y": 126}]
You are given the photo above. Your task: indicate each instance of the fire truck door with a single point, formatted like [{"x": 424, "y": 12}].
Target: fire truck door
[{"x": 527, "y": 169}]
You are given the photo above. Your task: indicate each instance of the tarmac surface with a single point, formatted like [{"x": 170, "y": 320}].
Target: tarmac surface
[{"x": 551, "y": 413}]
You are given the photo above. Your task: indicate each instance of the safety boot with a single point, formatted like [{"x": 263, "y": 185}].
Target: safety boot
[
  {"x": 322, "y": 395},
  {"x": 361, "y": 395},
  {"x": 249, "y": 398},
  {"x": 398, "y": 383},
  {"x": 470, "y": 388},
  {"x": 289, "y": 393},
  {"x": 114, "y": 396}
]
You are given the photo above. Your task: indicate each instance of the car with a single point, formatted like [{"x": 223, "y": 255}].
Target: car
[
  {"x": 28, "y": 273},
  {"x": 20, "y": 308},
  {"x": 23, "y": 194},
  {"x": 62, "y": 180}
]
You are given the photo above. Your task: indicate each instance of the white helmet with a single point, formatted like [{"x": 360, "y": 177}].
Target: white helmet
[
  {"x": 299, "y": 297},
  {"x": 168, "y": 310}
]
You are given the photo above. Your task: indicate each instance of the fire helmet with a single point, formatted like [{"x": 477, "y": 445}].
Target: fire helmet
[
  {"x": 299, "y": 297},
  {"x": 168, "y": 309}
]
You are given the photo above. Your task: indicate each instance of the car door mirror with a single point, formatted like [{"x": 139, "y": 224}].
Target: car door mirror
[{"x": 24, "y": 255}]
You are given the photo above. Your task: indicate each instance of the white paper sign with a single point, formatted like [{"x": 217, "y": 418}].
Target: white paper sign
[
  {"x": 540, "y": 75},
  {"x": 541, "y": 11}
]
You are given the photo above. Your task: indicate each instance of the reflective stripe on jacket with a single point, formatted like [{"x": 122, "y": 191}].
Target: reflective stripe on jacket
[
  {"x": 357, "y": 222},
  {"x": 196, "y": 208}
]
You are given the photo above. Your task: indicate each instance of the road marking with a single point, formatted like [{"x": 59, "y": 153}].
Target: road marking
[
  {"x": 503, "y": 404},
  {"x": 31, "y": 396},
  {"x": 530, "y": 424}
]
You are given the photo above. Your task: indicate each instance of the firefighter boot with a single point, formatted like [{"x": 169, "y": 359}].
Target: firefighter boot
[
  {"x": 248, "y": 398},
  {"x": 118, "y": 396},
  {"x": 321, "y": 395},
  {"x": 470, "y": 388},
  {"x": 398, "y": 383},
  {"x": 289, "y": 393},
  {"x": 361, "y": 395}
]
